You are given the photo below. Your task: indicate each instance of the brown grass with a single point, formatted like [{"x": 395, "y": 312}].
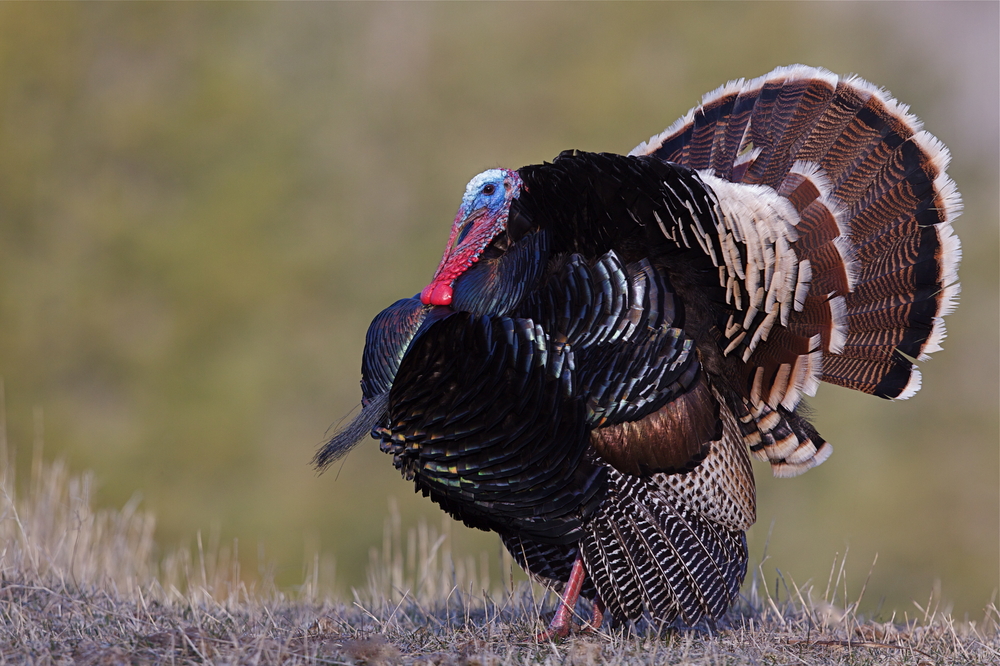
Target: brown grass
[{"x": 89, "y": 587}]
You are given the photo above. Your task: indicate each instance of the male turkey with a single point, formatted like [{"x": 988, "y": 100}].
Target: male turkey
[{"x": 609, "y": 338}]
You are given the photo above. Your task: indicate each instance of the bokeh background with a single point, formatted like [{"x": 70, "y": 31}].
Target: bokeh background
[{"x": 202, "y": 206}]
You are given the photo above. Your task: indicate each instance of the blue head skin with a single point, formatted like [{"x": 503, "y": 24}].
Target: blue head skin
[{"x": 482, "y": 215}]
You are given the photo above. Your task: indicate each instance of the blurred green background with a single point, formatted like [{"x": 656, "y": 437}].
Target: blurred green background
[{"x": 202, "y": 206}]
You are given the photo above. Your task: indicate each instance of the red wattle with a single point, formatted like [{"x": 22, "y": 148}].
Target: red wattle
[{"x": 436, "y": 293}]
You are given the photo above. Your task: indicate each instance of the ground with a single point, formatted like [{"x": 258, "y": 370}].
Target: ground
[{"x": 87, "y": 587}]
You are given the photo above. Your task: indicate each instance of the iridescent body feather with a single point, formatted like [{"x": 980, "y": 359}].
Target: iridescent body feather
[{"x": 609, "y": 338}]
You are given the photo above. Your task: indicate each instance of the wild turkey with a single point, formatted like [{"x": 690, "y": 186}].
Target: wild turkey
[{"x": 608, "y": 338}]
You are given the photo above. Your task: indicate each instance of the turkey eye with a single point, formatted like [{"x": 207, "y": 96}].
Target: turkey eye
[{"x": 489, "y": 189}]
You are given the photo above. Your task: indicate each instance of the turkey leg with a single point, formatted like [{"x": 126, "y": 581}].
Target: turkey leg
[{"x": 562, "y": 622}]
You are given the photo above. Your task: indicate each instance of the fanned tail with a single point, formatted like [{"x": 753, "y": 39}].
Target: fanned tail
[
  {"x": 836, "y": 224},
  {"x": 875, "y": 209}
]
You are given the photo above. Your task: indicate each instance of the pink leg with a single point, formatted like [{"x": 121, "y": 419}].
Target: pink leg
[
  {"x": 562, "y": 622},
  {"x": 597, "y": 617}
]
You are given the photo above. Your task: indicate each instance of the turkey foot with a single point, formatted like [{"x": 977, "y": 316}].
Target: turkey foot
[
  {"x": 596, "y": 617},
  {"x": 562, "y": 623}
]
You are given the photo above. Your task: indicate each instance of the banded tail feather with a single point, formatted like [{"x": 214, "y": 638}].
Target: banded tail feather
[
  {"x": 669, "y": 548},
  {"x": 874, "y": 203}
]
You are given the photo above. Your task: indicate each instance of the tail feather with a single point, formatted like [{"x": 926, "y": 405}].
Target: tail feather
[
  {"x": 671, "y": 546},
  {"x": 666, "y": 547},
  {"x": 650, "y": 554},
  {"x": 605, "y": 554},
  {"x": 799, "y": 104},
  {"x": 895, "y": 379},
  {"x": 875, "y": 208}
]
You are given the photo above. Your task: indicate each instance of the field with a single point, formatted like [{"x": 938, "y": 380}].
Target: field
[
  {"x": 203, "y": 206},
  {"x": 90, "y": 587}
]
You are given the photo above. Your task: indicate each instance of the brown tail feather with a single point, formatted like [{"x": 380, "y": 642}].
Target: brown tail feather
[{"x": 875, "y": 207}]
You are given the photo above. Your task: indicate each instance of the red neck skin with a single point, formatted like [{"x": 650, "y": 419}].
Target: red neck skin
[
  {"x": 456, "y": 260},
  {"x": 476, "y": 224}
]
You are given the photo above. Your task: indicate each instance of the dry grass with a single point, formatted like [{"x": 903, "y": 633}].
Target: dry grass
[{"x": 88, "y": 587}]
